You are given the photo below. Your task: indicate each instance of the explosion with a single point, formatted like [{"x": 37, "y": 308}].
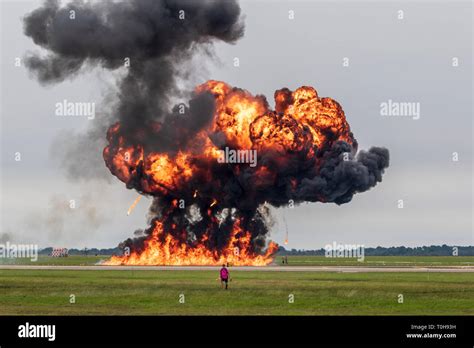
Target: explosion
[
  {"x": 208, "y": 212},
  {"x": 213, "y": 166}
]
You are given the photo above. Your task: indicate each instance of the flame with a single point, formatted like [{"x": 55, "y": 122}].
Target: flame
[
  {"x": 302, "y": 124},
  {"x": 164, "y": 249}
]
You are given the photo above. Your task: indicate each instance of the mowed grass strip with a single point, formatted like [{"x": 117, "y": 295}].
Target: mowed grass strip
[
  {"x": 43, "y": 260},
  {"x": 47, "y": 292},
  {"x": 380, "y": 261}
]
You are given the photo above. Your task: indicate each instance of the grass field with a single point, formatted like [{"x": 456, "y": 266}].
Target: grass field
[
  {"x": 47, "y": 292},
  {"x": 398, "y": 261},
  {"x": 75, "y": 260}
]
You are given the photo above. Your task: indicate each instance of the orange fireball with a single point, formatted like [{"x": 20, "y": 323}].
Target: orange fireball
[{"x": 222, "y": 223}]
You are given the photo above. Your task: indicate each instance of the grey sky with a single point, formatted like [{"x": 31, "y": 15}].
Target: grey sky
[{"x": 407, "y": 60}]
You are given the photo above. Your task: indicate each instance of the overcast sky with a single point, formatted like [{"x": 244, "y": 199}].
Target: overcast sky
[{"x": 405, "y": 60}]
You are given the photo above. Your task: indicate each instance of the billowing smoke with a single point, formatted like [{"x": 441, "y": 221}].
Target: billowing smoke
[
  {"x": 152, "y": 40},
  {"x": 206, "y": 209}
]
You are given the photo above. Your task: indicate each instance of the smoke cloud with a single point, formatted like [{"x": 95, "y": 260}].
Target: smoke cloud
[
  {"x": 306, "y": 151},
  {"x": 151, "y": 39}
]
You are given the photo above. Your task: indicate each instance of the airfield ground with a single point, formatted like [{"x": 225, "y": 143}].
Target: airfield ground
[
  {"x": 260, "y": 292},
  {"x": 369, "y": 261}
]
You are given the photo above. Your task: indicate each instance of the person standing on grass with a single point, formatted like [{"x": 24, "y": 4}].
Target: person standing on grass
[{"x": 224, "y": 274}]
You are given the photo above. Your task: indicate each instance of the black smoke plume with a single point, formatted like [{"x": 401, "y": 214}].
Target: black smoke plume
[{"x": 156, "y": 37}]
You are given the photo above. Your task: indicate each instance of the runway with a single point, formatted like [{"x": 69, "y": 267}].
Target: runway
[{"x": 340, "y": 269}]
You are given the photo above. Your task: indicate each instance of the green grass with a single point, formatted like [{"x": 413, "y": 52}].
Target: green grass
[
  {"x": 399, "y": 261},
  {"x": 47, "y": 292},
  {"x": 74, "y": 260}
]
